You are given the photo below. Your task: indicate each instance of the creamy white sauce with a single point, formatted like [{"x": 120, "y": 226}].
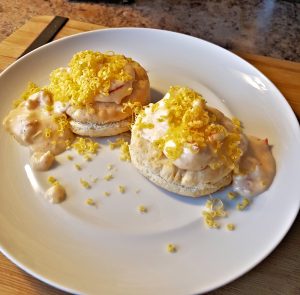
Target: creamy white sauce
[
  {"x": 55, "y": 194},
  {"x": 42, "y": 161},
  {"x": 257, "y": 169},
  {"x": 60, "y": 107},
  {"x": 160, "y": 127},
  {"x": 118, "y": 89},
  {"x": 28, "y": 123},
  {"x": 194, "y": 161}
]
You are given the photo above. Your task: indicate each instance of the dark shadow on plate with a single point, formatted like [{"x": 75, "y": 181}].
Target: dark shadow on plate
[
  {"x": 55, "y": 165},
  {"x": 200, "y": 201},
  {"x": 109, "y": 139},
  {"x": 155, "y": 95}
]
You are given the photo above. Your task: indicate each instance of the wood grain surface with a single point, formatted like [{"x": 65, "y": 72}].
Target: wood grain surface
[{"x": 278, "y": 274}]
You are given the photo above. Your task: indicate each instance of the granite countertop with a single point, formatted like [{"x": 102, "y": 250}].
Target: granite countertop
[{"x": 265, "y": 27}]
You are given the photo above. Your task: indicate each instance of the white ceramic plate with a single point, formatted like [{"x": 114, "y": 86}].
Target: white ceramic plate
[{"x": 111, "y": 248}]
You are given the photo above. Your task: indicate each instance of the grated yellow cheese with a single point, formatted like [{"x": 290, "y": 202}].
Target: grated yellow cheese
[
  {"x": 89, "y": 74},
  {"x": 49, "y": 108},
  {"x": 245, "y": 203},
  {"x": 108, "y": 177},
  {"x": 85, "y": 147},
  {"x": 125, "y": 155},
  {"x": 171, "y": 248},
  {"x": 230, "y": 226},
  {"x": 236, "y": 122},
  {"x": 231, "y": 195},
  {"x": 62, "y": 123},
  {"x": 52, "y": 179},
  {"x": 106, "y": 194},
  {"x": 85, "y": 183},
  {"x": 142, "y": 209},
  {"x": 47, "y": 132},
  {"x": 90, "y": 202},
  {"x": 69, "y": 157},
  {"x": 215, "y": 209},
  {"x": 134, "y": 107},
  {"x": 116, "y": 144},
  {"x": 122, "y": 189},
  {"x": 78, "y": 167}
]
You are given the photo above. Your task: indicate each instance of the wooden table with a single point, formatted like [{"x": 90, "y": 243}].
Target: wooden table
[{"x": 279, "y": 273}]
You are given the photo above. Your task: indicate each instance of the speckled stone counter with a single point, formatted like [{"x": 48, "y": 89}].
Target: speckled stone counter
[{"x": 265, "y": 27}]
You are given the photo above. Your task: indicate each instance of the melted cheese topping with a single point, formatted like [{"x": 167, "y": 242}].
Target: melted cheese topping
[
  {"x": 92, "y": 76},
  {"x": 192, "y": 135}
]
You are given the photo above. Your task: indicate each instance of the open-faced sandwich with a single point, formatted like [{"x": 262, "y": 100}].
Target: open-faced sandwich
[
  {"x": 94, "y": 88},
  {"x": 189, "y": 148}
]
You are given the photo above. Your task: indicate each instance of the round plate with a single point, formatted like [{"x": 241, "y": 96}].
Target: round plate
[{"x": 111, "y": 248}]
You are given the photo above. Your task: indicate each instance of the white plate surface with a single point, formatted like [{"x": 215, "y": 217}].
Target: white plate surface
[{"x": 111, "y": 248}]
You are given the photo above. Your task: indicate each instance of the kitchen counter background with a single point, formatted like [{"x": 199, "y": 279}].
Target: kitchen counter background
[{"x": 265, "y": 27}]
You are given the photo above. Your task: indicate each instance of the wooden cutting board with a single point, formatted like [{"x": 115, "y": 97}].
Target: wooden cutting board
[{"x": 277, "y": 274}]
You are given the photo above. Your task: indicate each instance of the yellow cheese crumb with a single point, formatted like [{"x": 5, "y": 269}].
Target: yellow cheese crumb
[
  {"x": 69, "y": 157},
  {"x": 231, "y": 195},
  {"x": 62, "y": 123},
  {"x": 90, "y": 202},
  {"x": 116, "y": 144},
  {"x": 245, "y": 203},
  {"x": 230, "y": 226},
  {"x": 137, "y": 191},
  {"x": 52, "y": 179},
  {"x": 125, "y": 155},
  {"x": 106, "y": 194},
  {"x": 108, "y": 177},
  {"x": 236, "y": 122},
  {"x": 133, "y": 107},
  {"x": 215, "y": 210},
  {"x": 78, "y": 167},
  {"x": 122, "y": 189},
  {"x": 47, "y": 132},
  {"x": 85, "y": 146},
  {"x": 171, "y": 248},
  {"x": 209, "y": 219},
  {"x": 49, "y": 108},
  {"x": 84, "y": 183},
  {"x": 142, "y": 209}
]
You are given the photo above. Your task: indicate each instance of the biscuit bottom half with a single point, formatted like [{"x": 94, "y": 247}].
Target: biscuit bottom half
[
  {"x": 99, "y": 130},
  {"x": 156, "y": 167}
]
